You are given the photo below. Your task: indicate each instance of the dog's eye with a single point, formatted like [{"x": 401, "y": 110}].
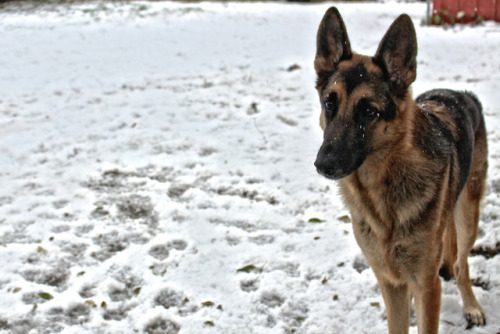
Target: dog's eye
[
  {"x": 370, "y": 112},
  {"x": 330, "y": 106},
  {"x": 366, "y": 110}
]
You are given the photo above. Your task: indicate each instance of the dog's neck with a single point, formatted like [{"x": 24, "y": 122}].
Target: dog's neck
[{"x": 373, "y": 183}]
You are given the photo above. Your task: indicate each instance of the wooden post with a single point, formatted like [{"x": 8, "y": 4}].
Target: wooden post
[{"x": 428, "y": 12}]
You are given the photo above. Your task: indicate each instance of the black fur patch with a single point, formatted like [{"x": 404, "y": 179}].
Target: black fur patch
[
  {"x": 434, "y": 137},
  {"x": 355, "y": 76},
  {"x": 322, "y": 79},
  {"x": 390, "y": 109},
  {"x": 466, "y": 112}
]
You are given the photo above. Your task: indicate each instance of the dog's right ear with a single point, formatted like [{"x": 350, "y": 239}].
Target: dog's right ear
[{"x": 333, "y": 45}]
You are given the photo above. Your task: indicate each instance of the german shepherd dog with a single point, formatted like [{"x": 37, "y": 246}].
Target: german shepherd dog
[{"x": 412, "y": 172}]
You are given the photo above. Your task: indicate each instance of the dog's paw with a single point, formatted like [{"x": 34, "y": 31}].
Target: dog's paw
[{"x": 474, "y": 317}]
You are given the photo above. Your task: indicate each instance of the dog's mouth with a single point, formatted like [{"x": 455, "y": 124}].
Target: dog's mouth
[{"x": 330, "y": 172}]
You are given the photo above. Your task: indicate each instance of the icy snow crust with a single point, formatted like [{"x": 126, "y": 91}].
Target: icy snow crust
[{"x": 157, "y": 170}]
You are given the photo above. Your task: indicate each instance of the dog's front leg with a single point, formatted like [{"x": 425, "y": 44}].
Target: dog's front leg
[
  {"x": 397, "y": 305},
  {"x": 427, "y": 297}
]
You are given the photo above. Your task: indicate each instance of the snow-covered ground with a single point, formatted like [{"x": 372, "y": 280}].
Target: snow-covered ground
[{"x": 156, "y": 170}]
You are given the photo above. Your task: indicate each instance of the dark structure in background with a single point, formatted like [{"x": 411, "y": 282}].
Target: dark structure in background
[{"x": 465, "y": 11}]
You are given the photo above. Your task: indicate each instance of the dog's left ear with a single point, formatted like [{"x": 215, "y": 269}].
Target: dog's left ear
[{"x": 398, "y": 52}]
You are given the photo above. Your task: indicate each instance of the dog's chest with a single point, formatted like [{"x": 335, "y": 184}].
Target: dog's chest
[
  {"x": 390, "y": 216},
  {"x": 385, "y": 254},
  {"x": 400, "y": 197}
]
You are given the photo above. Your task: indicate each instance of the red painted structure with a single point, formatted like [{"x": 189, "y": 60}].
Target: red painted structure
[{"x": 458, "y": 11}]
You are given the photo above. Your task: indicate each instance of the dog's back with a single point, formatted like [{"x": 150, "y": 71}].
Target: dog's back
[{"x": 466, "y": 112}]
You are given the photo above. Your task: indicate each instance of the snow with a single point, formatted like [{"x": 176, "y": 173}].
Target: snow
[{"x": 157, "y": 169}]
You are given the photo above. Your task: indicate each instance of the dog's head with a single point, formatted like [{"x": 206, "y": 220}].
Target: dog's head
[{"x": 360, "y": 96}]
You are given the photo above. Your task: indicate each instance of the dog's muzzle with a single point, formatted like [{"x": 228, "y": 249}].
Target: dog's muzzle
[{"x": 327, "y": 163}]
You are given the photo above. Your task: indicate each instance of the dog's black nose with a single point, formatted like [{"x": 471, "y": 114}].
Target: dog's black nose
[
  {"x": 324, "y": 169},
  {"x": 325, "y": 161}
]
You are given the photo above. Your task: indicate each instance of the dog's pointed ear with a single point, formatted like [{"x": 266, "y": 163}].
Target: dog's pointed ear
[
  {"x": 397, "y": 53},
  {"x": 332, "y": 43}
]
